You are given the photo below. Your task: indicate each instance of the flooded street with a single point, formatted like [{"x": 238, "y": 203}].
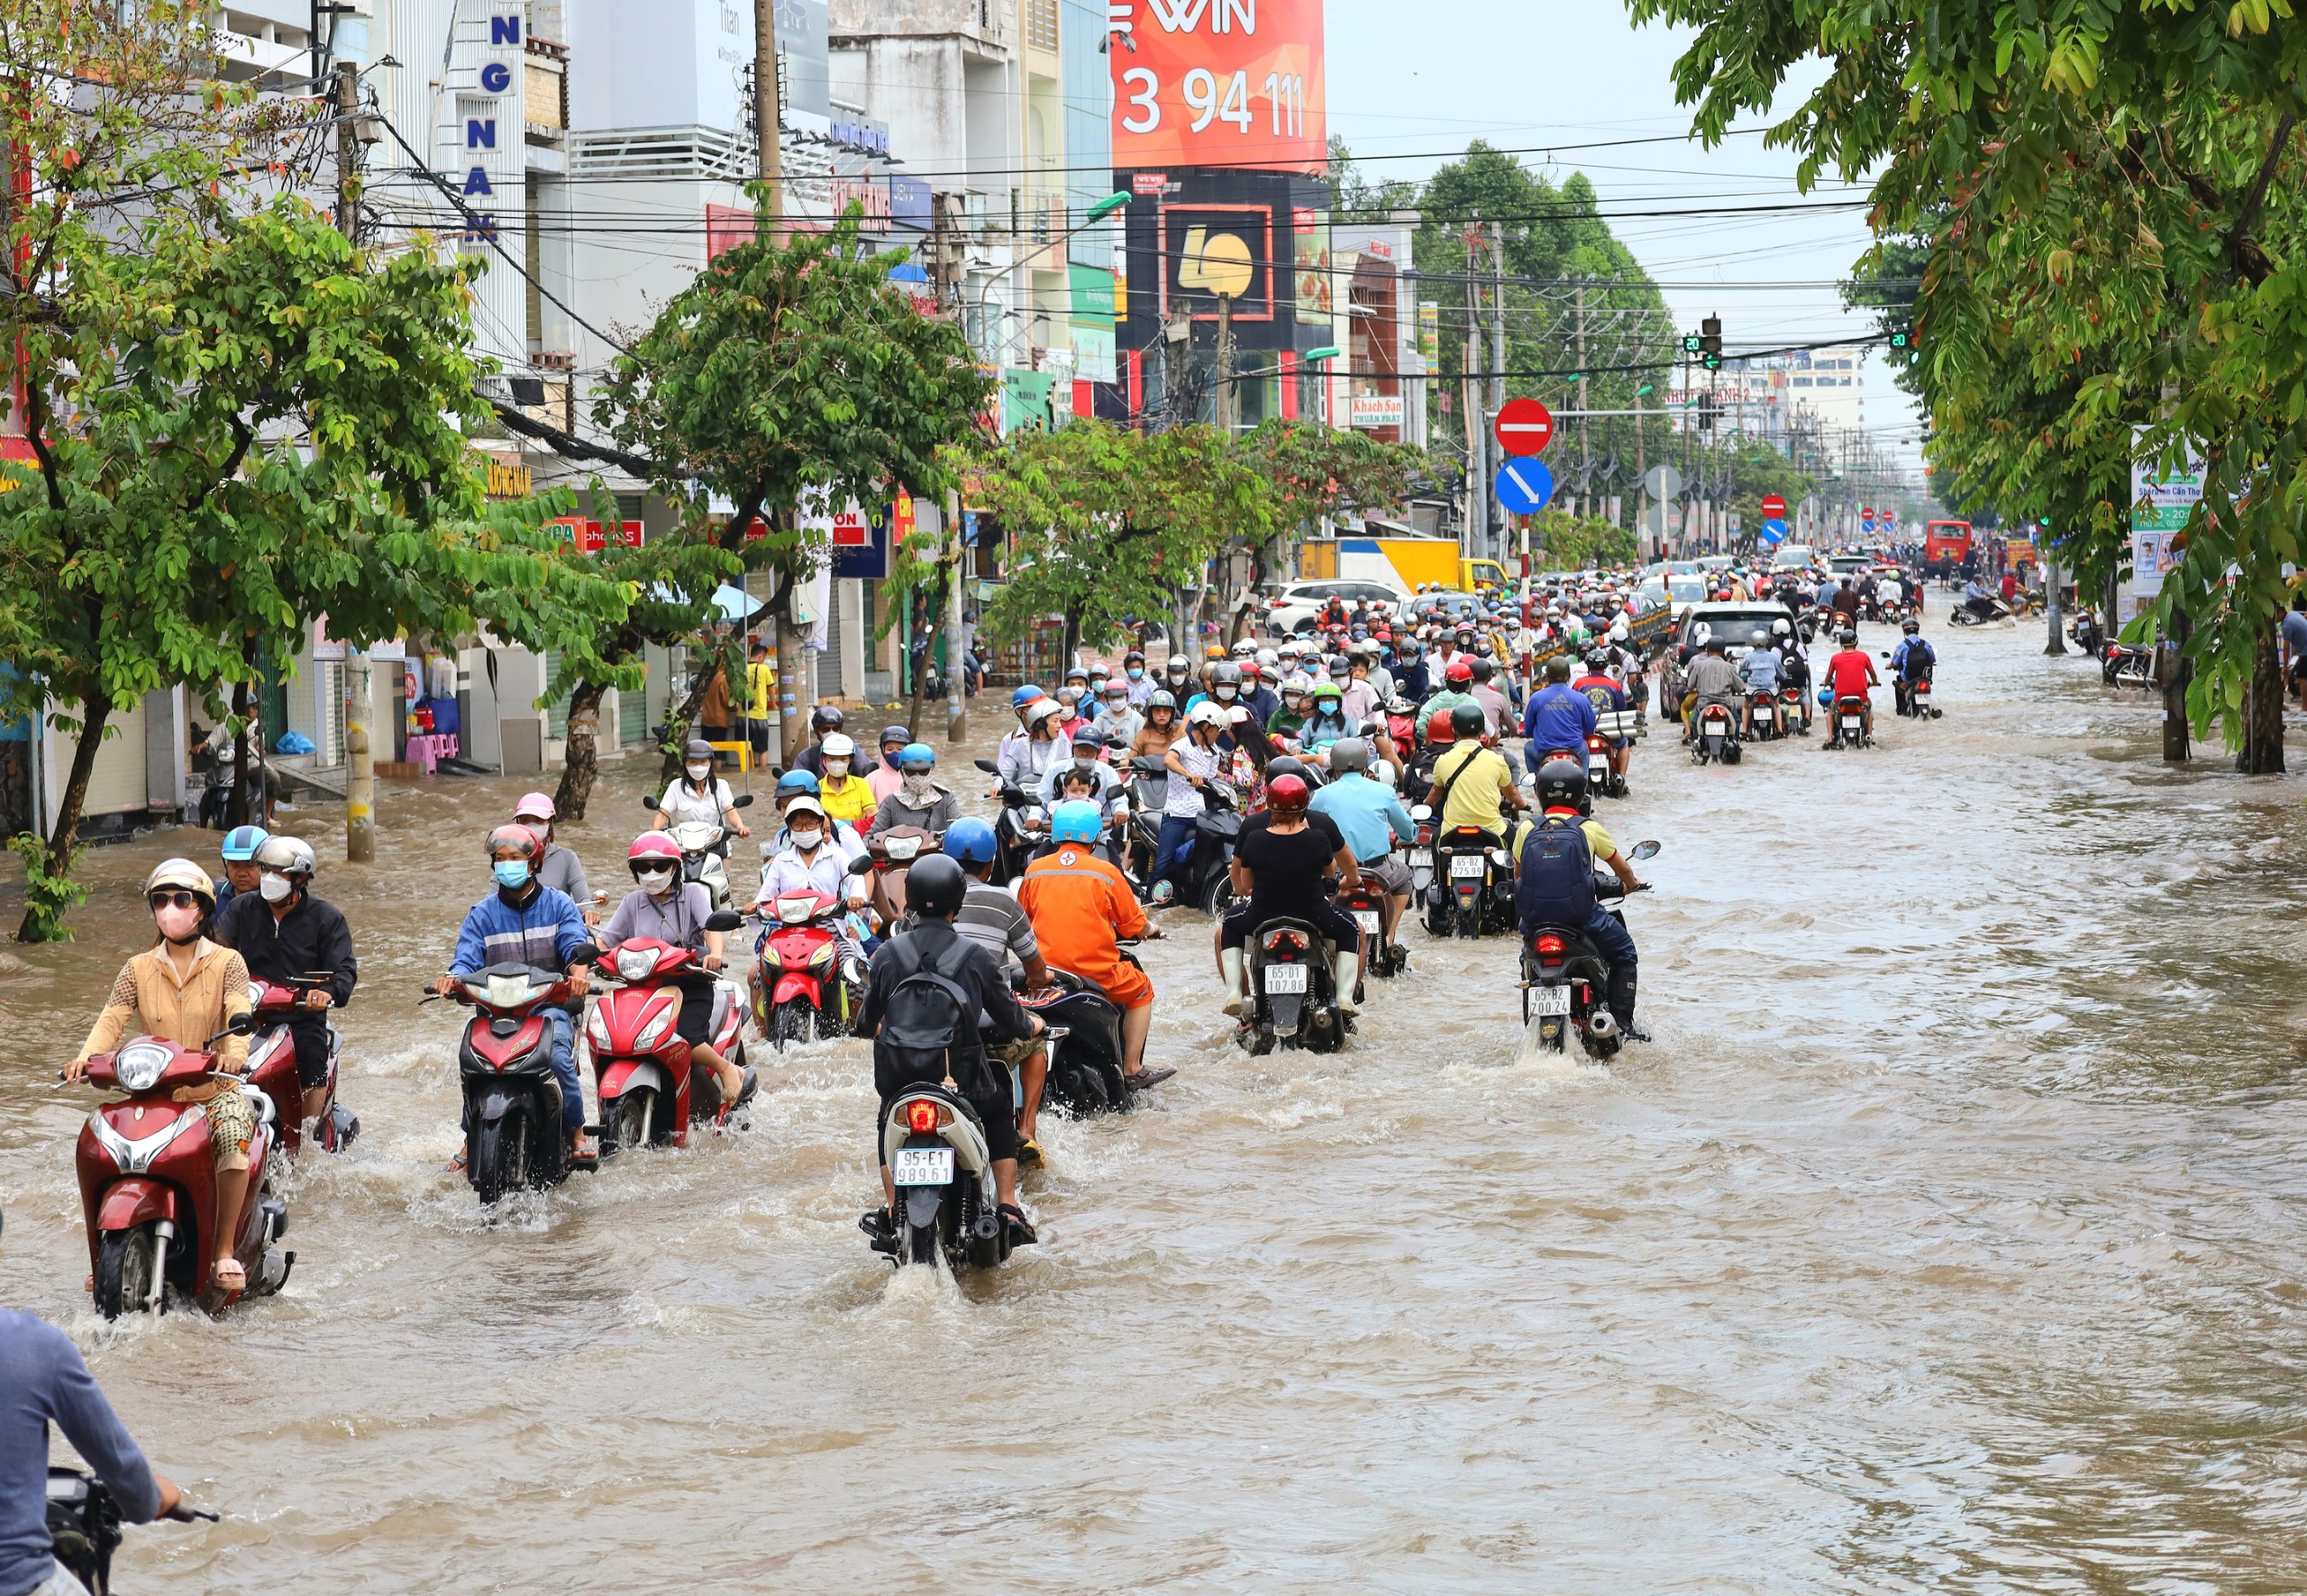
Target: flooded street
[{"x": 1948, "y": 1235}]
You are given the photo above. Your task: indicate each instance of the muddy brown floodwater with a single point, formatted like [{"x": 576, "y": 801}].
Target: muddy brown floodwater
[{"x": 1948, "y": 1237}]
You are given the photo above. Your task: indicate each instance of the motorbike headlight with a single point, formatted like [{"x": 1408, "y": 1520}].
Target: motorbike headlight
[
  {"x": 655, "y": 1032},
  {"x": 596, "y": 1030},
  {"x": 822, "y": 955},
  {"x": 769, "y": 959},
  {"x": 139, "y": 1067},
  {"x": 635, "y": 963}
]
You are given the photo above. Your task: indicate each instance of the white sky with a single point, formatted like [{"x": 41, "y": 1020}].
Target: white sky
[{"x": 1421, "y": 80}]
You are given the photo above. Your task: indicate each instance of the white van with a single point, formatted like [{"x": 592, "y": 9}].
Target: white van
[{"x": 1793, "y": 556}]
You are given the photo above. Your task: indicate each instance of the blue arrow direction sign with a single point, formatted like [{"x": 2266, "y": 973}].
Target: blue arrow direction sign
[
  {"x": 1524, "y": 486},
  {"x": 1773, "y": 532}
]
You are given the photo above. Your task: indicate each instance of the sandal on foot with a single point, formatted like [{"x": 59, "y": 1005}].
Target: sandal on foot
[
  {"x": 456, "y": 1166},
  {"x": 227, "y": 1275},
  {"x": 1146, "y": 1078},
  {"x": 1029, "y": 1153},
  {"x": 1021, "y": 1232}
]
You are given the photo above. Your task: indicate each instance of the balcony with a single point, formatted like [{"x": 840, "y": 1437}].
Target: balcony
[{"x": 984, "y": 22}]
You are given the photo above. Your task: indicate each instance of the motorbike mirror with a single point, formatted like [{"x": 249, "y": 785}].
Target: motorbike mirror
[
  {"x": 649, "y": 803},
  {"x": 741, "y": 801},
  {"x": 862, "y": 867},
  {"x": 988, "y": 766},
  {"x": 723, "y": 921},
  {"x": 1645, "y": 849}
]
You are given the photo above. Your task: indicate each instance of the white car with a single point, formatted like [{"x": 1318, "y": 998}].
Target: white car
[{"x": 1295, "y": 608}]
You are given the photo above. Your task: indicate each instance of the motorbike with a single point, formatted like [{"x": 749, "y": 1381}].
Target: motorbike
[
  {"x": 704, "y": 850},
  {"x": 1209, "y": 870},
  {"x": 1382, "y": 954},
  {"x": 1612, "y": 725},
  {"x": 1850, "y": 724},
  {"x": 1761, "y": 703},
  {"x": 649, "y": 1090},
  {"x": 513, "y": 1129},
  {"x": 1084, "y": 1043},
  {"x": 1963, "y": 614},
  {"x": 84, "y": 1526},
  {"x": 272, "y": 1066},
  {"x": 1566, "y": 979},
  {"x": 2085, "y": 632},
  {"x": 1292, "y": 998},
  {"x": 1018, "y": 831},
  {"x": 1715, "y": 738},
  {"x": 888, "y": 859},
  {"x": 1421, "y": 852},
  {"x": 1789, "y": 709},
  {"x": 2128, "y": 664},
  {"x": 147, "y": 1182},
  {"x": 946, "y": 1200},
  {"x": 1479, "y": 896},
  {"x": 1149, "y": 791},
  {"x": 798, "y": 995}
]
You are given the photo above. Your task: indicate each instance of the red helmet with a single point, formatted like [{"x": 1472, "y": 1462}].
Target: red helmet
[
  {"x": 1458, "y": 671},
  {"x": 654, "y": 847},
  {"x": 1438, "y": 728},
  {"x": 528, "y": 842},
  {"x": 1287, "y": 795}
]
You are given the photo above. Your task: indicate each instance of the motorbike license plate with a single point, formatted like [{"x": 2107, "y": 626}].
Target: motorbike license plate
[
  {"x": 924, "y": 1166},
  {"x": 1367, "y": 919},
  {"x": 1285, "y": 978},
  {"x": 1851, "y": 723},
  {"x": 1467, "y": 864},
  {"x": 1550, "y": 1000}
]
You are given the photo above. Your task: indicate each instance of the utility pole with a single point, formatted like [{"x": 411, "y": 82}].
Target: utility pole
[
  {"x": 1497, "y": 368},
  {"x": 1225, "y": 366},
  {"x": 359, "y": 681},
  {"x": 768, "y": 121},
  {"x": 1476, "y": 536},
  {"x": 1579, "y": 322},
  {"x": 957, "y": 713}
]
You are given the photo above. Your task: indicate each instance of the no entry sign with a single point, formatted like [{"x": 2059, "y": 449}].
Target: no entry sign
[
  {"x": 1773, "y": 507},
  {"x": 1524, "y": 428}
]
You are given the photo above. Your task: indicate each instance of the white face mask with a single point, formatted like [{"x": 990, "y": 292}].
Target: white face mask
[
  {"x": 275, "y": 888},
  {"x": 653, "y": 881},
  {"x": 807, "y": 840},
  {"x": 700, "y": 773}
]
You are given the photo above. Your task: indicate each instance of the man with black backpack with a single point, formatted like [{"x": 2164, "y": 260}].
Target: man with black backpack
[
  {"x": 932, "y": 999},
  {"x": 1554, "y": 882},
  {"x": 1911, "y": 662}
]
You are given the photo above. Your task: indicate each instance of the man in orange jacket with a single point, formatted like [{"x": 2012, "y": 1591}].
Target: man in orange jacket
[{"x": 1080, "y": 906}]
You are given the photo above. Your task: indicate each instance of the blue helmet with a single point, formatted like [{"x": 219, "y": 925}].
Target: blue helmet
[
  {"x": 916, "y": 756},
  {"x": 970, "y": 840},
  {"x": 1077, "y": 820},
  {"x": 241, "y": 842},
  {"x": 797, "y": 781},
  {"x": 1024, "y": 696}
]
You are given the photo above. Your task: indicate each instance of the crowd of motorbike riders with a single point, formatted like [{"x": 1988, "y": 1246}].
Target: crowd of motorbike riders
[{"x": 1308, "y": 793}]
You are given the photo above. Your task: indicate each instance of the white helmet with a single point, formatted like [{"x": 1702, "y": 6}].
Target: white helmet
[
  {"x": 1206, "y": 713},
  {"x": 1268, "y": 658}
]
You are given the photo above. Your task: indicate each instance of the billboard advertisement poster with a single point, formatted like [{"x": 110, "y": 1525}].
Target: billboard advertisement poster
[
  {"x": 2161, "y": 502},
  {"x": 1311, "y": 232},
  {"x": 1429, "y": 333},
  {"x": 1219, "y": 83},
  {"x": 1374, "y": 410}
]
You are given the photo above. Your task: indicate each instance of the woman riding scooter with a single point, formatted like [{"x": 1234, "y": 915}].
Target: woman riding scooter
[{"x": 673, "y": 911}]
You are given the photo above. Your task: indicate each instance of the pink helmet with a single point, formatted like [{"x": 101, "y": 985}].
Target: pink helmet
[
  {"x": 534, "y": 806},
  {"x": 654, "y": 847},
  {"x": 525, "y": 838}
]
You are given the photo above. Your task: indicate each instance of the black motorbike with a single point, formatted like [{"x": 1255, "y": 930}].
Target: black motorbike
[
  {"x": 1566, "y": 980},
  {"x": 84, "y": 1526},
  {"x": 1018, "y": 831},
  {"x": 2127, "y": 664},
  {"x": 1292, "y": 998},
  {"x": 1148, "y": 788},
  {"x": 1085, "y": 1053},
  {"x": 1714, "y": 736},
  {"x": 1209, "y": 871},
  {"x": 1473, "y": 890},
  {"x": 1913, "y": 696},
  {"x": 1381, "y": 955},
  {"x": 1850, "y": 723}
]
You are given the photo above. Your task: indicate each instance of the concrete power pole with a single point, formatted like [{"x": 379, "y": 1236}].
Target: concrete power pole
[
  {"x": 769, "y": 120},
  {"x": 1497, "y": 372},
  {"x": 1475, "y": 536},
  {"x": 359, "y": 681}
]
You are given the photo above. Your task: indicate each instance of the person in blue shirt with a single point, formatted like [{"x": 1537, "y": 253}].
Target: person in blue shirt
[
  {"x": 1759, "y": 671},
  {"x": 44, "y": 1380},
  {"x": 1557, "y": 717},
  {"x": 525, "y": 922},
  {"x": 1369, "y": 817},
  {"x": 1910, "y": 662}
]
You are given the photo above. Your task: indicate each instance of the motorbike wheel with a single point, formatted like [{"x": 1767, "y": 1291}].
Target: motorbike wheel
[
  {"x": 921, "y": 1244},
  {"x": 636, "y": 1109},
  {"x": 125, "y": 1265},
  {"x": 794, "y": 1022},
  {"x": 499, "y": 1161},
  {"x": 1258, "y": 1040}
]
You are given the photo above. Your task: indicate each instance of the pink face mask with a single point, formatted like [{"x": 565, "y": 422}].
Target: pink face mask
[{"x": 177, "y": 924}]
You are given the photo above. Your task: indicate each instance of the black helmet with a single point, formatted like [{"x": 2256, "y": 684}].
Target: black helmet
[
  {"x": 1560, "y": 785},
  {"x": 824, "y": 718},
  {"x": 1287, "y": 765},
  {"x": 1849, "y": 639},
  {"x": 696, "y": 748},
  {"x": 1558, "y": 667},
  {"x": 1225, "y": 674},
  {"x": 895, "y": 734},
  {"x": 1483, "y": 669},
  {"x": 1911, "y": 627},
  {"x": 1467, "y": 720},
  {"x": 934, "y": 886}
]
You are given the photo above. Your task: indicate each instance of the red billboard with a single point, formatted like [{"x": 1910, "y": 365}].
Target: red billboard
[{"x": 1219, "y": 83}]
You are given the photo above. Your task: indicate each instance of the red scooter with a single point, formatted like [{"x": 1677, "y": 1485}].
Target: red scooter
[
  {"x": 272, "y": 1066},
  {"x": 799, "y": 995},
  {"x": 650, "y": 1093},
  {"x": 147, "y": 1184}
]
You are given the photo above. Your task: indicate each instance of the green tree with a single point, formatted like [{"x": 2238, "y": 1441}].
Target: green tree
[{"x": 784, "y": 371}]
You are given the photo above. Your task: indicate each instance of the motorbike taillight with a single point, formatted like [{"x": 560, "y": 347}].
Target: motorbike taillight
[
  {"x": 921, "y": 1117},
  {"x": 1550, "y": 950},
  {"x": 1285, "y": 941}
]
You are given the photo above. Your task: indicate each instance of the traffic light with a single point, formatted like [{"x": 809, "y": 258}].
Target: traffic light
[
  {"x": 1706, "y": 409},
  {"x": 1903, "y": 347},
  {"x": 1692, "y": 344},
  {"x": 1712, "y": 360},
  {"x": 1710, "y": 341}
]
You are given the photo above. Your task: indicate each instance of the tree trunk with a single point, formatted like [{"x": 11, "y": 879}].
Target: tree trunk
[
  {"x": 2173, "y": 670},
  {"x": 682, "y": 722},
  {"x": 64, "y": 832},
  {"x": 236, "y": 806},
  {"x": 2262, "y": 751},
  {"x": 2058, "y": 643},
  {"x": 581, "y": 765},
  {"x": 927, "y": 634}
]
